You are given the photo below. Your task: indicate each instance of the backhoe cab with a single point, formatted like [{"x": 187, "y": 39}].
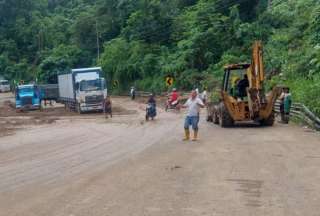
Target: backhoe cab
[{"x": 242, "y": 95}]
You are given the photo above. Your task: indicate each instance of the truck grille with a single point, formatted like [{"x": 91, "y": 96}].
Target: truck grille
[
  {"x": 26, "y": 101},
  {"x": 94, "y": 99}
]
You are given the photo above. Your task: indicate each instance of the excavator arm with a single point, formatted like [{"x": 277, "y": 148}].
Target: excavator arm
[
  {"x": 256, "y": 70},
  {"x": 256, "y": 76}
]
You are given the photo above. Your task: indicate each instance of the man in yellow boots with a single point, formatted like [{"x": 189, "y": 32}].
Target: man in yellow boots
[{"x": 193, "y": 105}]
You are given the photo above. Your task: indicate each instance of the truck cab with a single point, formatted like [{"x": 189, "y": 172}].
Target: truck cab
[
  {"x": 28, "y": 97},
  {"x": 90, "y": 94},
  {"x": 4, "y": 86},
  {"x": 83, "y": 89}
]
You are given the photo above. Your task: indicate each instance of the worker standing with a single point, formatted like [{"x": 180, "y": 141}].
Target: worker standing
[
  {"x": 204, "y": 96},
  {"x": 193, "y": 104},
  {"x": 107, "y": 108},
  {"x": 197, "y": 91},
  {"x": 133, "y": 93},
  {"x": 285, "y": 105}
]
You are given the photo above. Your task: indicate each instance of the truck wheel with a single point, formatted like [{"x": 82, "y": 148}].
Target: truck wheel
[
  {"x": 225, "y": 119},
  {"x": 269, "y": 121}
]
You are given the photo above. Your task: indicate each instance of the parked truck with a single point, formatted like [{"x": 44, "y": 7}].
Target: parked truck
[
  {"x": 83, "y": 89},
  {"x": 27, "y": 97},
  {"x": 4, "y": 86},
  {"x": 49, "y": 92}
]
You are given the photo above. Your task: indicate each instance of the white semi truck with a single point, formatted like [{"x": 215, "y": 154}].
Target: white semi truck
[
  {"x": 4, "y": 86},
  {"x": 82, "y": 89}
]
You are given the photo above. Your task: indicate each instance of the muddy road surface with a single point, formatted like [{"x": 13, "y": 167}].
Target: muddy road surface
[{"x": 88, "y": 165}]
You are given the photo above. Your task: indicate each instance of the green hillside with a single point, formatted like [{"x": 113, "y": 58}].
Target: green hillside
[{"x": 141, "y": 41}]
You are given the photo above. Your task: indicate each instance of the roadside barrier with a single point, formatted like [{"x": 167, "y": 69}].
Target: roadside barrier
[{"x": 302, "y": 112}]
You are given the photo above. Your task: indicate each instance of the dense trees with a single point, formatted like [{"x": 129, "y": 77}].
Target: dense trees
[{"x": 142, "y": 41}]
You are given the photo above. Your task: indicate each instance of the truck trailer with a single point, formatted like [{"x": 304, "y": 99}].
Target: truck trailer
[{"x": 83, "y": 89}]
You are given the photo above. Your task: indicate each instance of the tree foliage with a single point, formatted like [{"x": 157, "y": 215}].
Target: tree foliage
[{"x": 143, "y": 41}]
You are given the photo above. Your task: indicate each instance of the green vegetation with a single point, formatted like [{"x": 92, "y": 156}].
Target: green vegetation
[{"x": 143, "y": 41}]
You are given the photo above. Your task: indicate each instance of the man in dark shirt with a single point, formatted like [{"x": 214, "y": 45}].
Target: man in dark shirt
[{"x": 242, "y": 86}]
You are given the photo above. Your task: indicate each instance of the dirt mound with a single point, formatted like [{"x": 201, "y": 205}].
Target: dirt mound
[
  {"x": 6, "y": 131},
  {"x": 8, "y": 109},
  {"x": 12, "y": 119}
]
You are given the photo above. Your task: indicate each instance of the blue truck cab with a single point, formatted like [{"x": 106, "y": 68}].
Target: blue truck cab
[{"x": 28, "y": 97}]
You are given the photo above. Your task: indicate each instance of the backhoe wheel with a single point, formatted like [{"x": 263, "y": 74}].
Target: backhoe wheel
[
  {"x": 269, "y": 121},
  {"x": 209, "y": 118},
  {"x": 225, "y": 119},
  {"x": 215, "y": 118}
]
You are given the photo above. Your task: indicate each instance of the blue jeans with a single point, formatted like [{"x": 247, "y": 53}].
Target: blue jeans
[{"x": 193, "y": 121}]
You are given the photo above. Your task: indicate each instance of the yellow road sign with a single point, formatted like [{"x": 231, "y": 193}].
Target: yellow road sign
[
  {"x": 115, "y": 83},
  {"x": 169, "y": 81}
]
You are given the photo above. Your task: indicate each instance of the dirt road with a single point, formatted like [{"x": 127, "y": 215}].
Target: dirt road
[{"x": 88, "y": 165}]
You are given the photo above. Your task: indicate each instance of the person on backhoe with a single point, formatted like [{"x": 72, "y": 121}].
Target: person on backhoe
[
  {"x": 193, "y": 105},
  {"x": 242, "y": 87}
]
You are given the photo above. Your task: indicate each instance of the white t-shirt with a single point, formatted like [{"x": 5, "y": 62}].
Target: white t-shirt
[{"x": 193, "y": 106}]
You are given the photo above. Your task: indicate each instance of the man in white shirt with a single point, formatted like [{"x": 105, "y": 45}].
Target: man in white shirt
[
  {"x": 204, "y": 96},
  {"x": 193, "y": 105},
  {"x": 133, "y": 93}
]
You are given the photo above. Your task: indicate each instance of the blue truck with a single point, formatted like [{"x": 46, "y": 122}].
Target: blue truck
[{"x": 28, "y": 97}]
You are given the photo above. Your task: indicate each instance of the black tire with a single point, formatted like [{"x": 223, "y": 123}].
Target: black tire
[
  {"x": 269, "y": 121},
  {"x": 216, "y": 119},
  {"x": 209, "y": 118},
  {"x": 225, "y": 120}
]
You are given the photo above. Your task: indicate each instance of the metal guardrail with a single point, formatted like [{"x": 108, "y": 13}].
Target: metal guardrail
[
  {"x": 147, "y": 94},
  {"x": 302, "y": 112}
]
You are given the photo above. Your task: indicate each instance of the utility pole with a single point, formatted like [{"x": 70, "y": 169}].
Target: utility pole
[
  {"x": 98, "y": 42},
  {"x": 269, "y": 4}
]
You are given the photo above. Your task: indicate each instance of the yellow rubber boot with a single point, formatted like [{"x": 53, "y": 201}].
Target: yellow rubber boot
[
  {"x": 187, "y": 135},
  {"x": 195, "y": 135}
]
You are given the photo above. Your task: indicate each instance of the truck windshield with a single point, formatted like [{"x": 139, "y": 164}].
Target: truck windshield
[
  {"x": 4, "y": 83},
  {"x": 90, "y": 85},
  {"x": 25, "y": 90}
]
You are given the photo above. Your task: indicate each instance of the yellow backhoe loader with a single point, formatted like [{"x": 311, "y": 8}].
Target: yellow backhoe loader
[{"x": 242, "y": 96}]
